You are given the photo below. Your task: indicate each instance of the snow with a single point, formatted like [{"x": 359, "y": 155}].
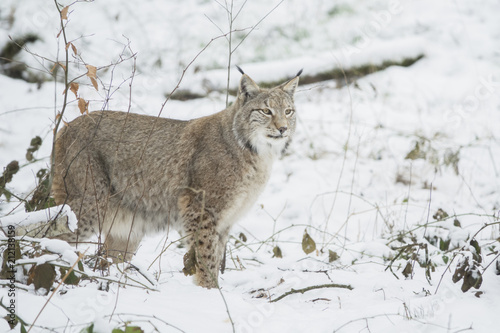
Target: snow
[
  {"x": 28, "y": 218},
  {"x": 338, "y": 181}
]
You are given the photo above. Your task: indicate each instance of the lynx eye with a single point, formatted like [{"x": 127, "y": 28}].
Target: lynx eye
[
  {"x": 288, "y": 112},
  {"x": 266, "y": 112}
]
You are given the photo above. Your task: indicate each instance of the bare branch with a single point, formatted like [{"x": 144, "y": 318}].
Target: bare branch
[{"x": 303, "y": 290}]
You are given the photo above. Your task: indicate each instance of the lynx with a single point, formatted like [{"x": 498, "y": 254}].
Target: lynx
[{"x": 127, "y": 175}]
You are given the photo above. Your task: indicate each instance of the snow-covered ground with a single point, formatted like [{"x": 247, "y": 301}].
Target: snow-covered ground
[{"x": 346, "y": 178}]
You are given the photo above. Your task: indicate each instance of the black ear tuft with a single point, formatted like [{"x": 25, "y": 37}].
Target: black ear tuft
[
  {"x": 240, "y": 70},
  {"x": 248, "y": 88},
  {"x": 300, "y": 72}
]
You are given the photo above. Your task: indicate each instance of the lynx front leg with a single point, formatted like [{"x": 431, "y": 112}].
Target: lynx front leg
[{"x": 206, "y": 246}]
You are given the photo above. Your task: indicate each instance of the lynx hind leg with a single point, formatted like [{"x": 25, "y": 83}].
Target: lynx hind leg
[
  {"x": 120, "y": 249},
  {"x": 123, "y": 231},
  {"x": 204, "y": 242},
  {"x": 84, "y": 186},
  {"x": 118, "y": 231}
]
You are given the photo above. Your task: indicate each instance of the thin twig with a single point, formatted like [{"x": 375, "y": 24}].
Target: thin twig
[
  {"x": 257, "y": 24},
  {"x": 303, "y": 290},
  {"x": 346, "y": 148},
  {"x": 366, "y": 318},
  {"x": 65, "y": 98},
  {"x": 230, "y": 52},
  {"x": 227, "y": 308}
]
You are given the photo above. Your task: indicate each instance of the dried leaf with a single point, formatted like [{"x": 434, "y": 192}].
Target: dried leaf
[
  {"x": 477, "y": 255},
  {"x": 472, "y": 278},
  {"x": 73, "y": 47},
  {"x": 277, "y": 252},
  {"x": 83, "y": 106},
  {"x": 94, "y": 83},
  {"x": 55, "y": 65},
  {"x": 31, "y": 275},
  {"x": 408, "y": 270},
  {"x": 332, "y": 256},
  {"x": 73, "y": 86},
  {"x": 91, "y": 71},
  {"x": 92, "y": 74},
  {"x": 440, "y": 215},
  {"x": 308, "y": 244},
  {"x": 35, "y": 144},
  {"x": 44, "y": 276},
  {"x": 462, "y": 268},
  {"x": 416, "y": 153},
  {"x": 11, "y": 169},
  {"x": 64, "y": 13}
]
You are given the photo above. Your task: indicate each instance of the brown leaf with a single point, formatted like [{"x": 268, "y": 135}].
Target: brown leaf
[
  {"x": 332, "y": 256},
  {"x": 277, "y": 252},
  {"x": 44, "y": 276},
  {"x": 73, "y": 86},
  {"x": 408, "y": 270},
  {"x": 461, "y": 270},
  {"x": 91, "y": 71},
  {"x": 83, "y": 106},
  {"x": 31, "y": 275},
  {"x": 64, "y": 13},
  {"x": 92, "y": 74},
  {"x": 472, "y": 278},
  {"x": 308, "y": 244},
  {"x": 73, "y": 47},
  {"x": 54, "y": 67},
  {"x": 94, "y": 83}
]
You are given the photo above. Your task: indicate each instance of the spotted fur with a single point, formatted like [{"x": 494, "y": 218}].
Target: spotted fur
[{"x": 127, "y": 175}]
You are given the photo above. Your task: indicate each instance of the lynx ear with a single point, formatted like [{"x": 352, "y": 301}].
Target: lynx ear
[
  {"x": 248, "y": 88},
  {"x": 290, "y": 86}
]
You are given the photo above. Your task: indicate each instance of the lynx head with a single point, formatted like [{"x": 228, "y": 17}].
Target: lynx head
[{"x": 265, "y": 118}]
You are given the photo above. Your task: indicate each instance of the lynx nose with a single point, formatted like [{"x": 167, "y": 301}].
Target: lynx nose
[{"x": 282, "y": 129}]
